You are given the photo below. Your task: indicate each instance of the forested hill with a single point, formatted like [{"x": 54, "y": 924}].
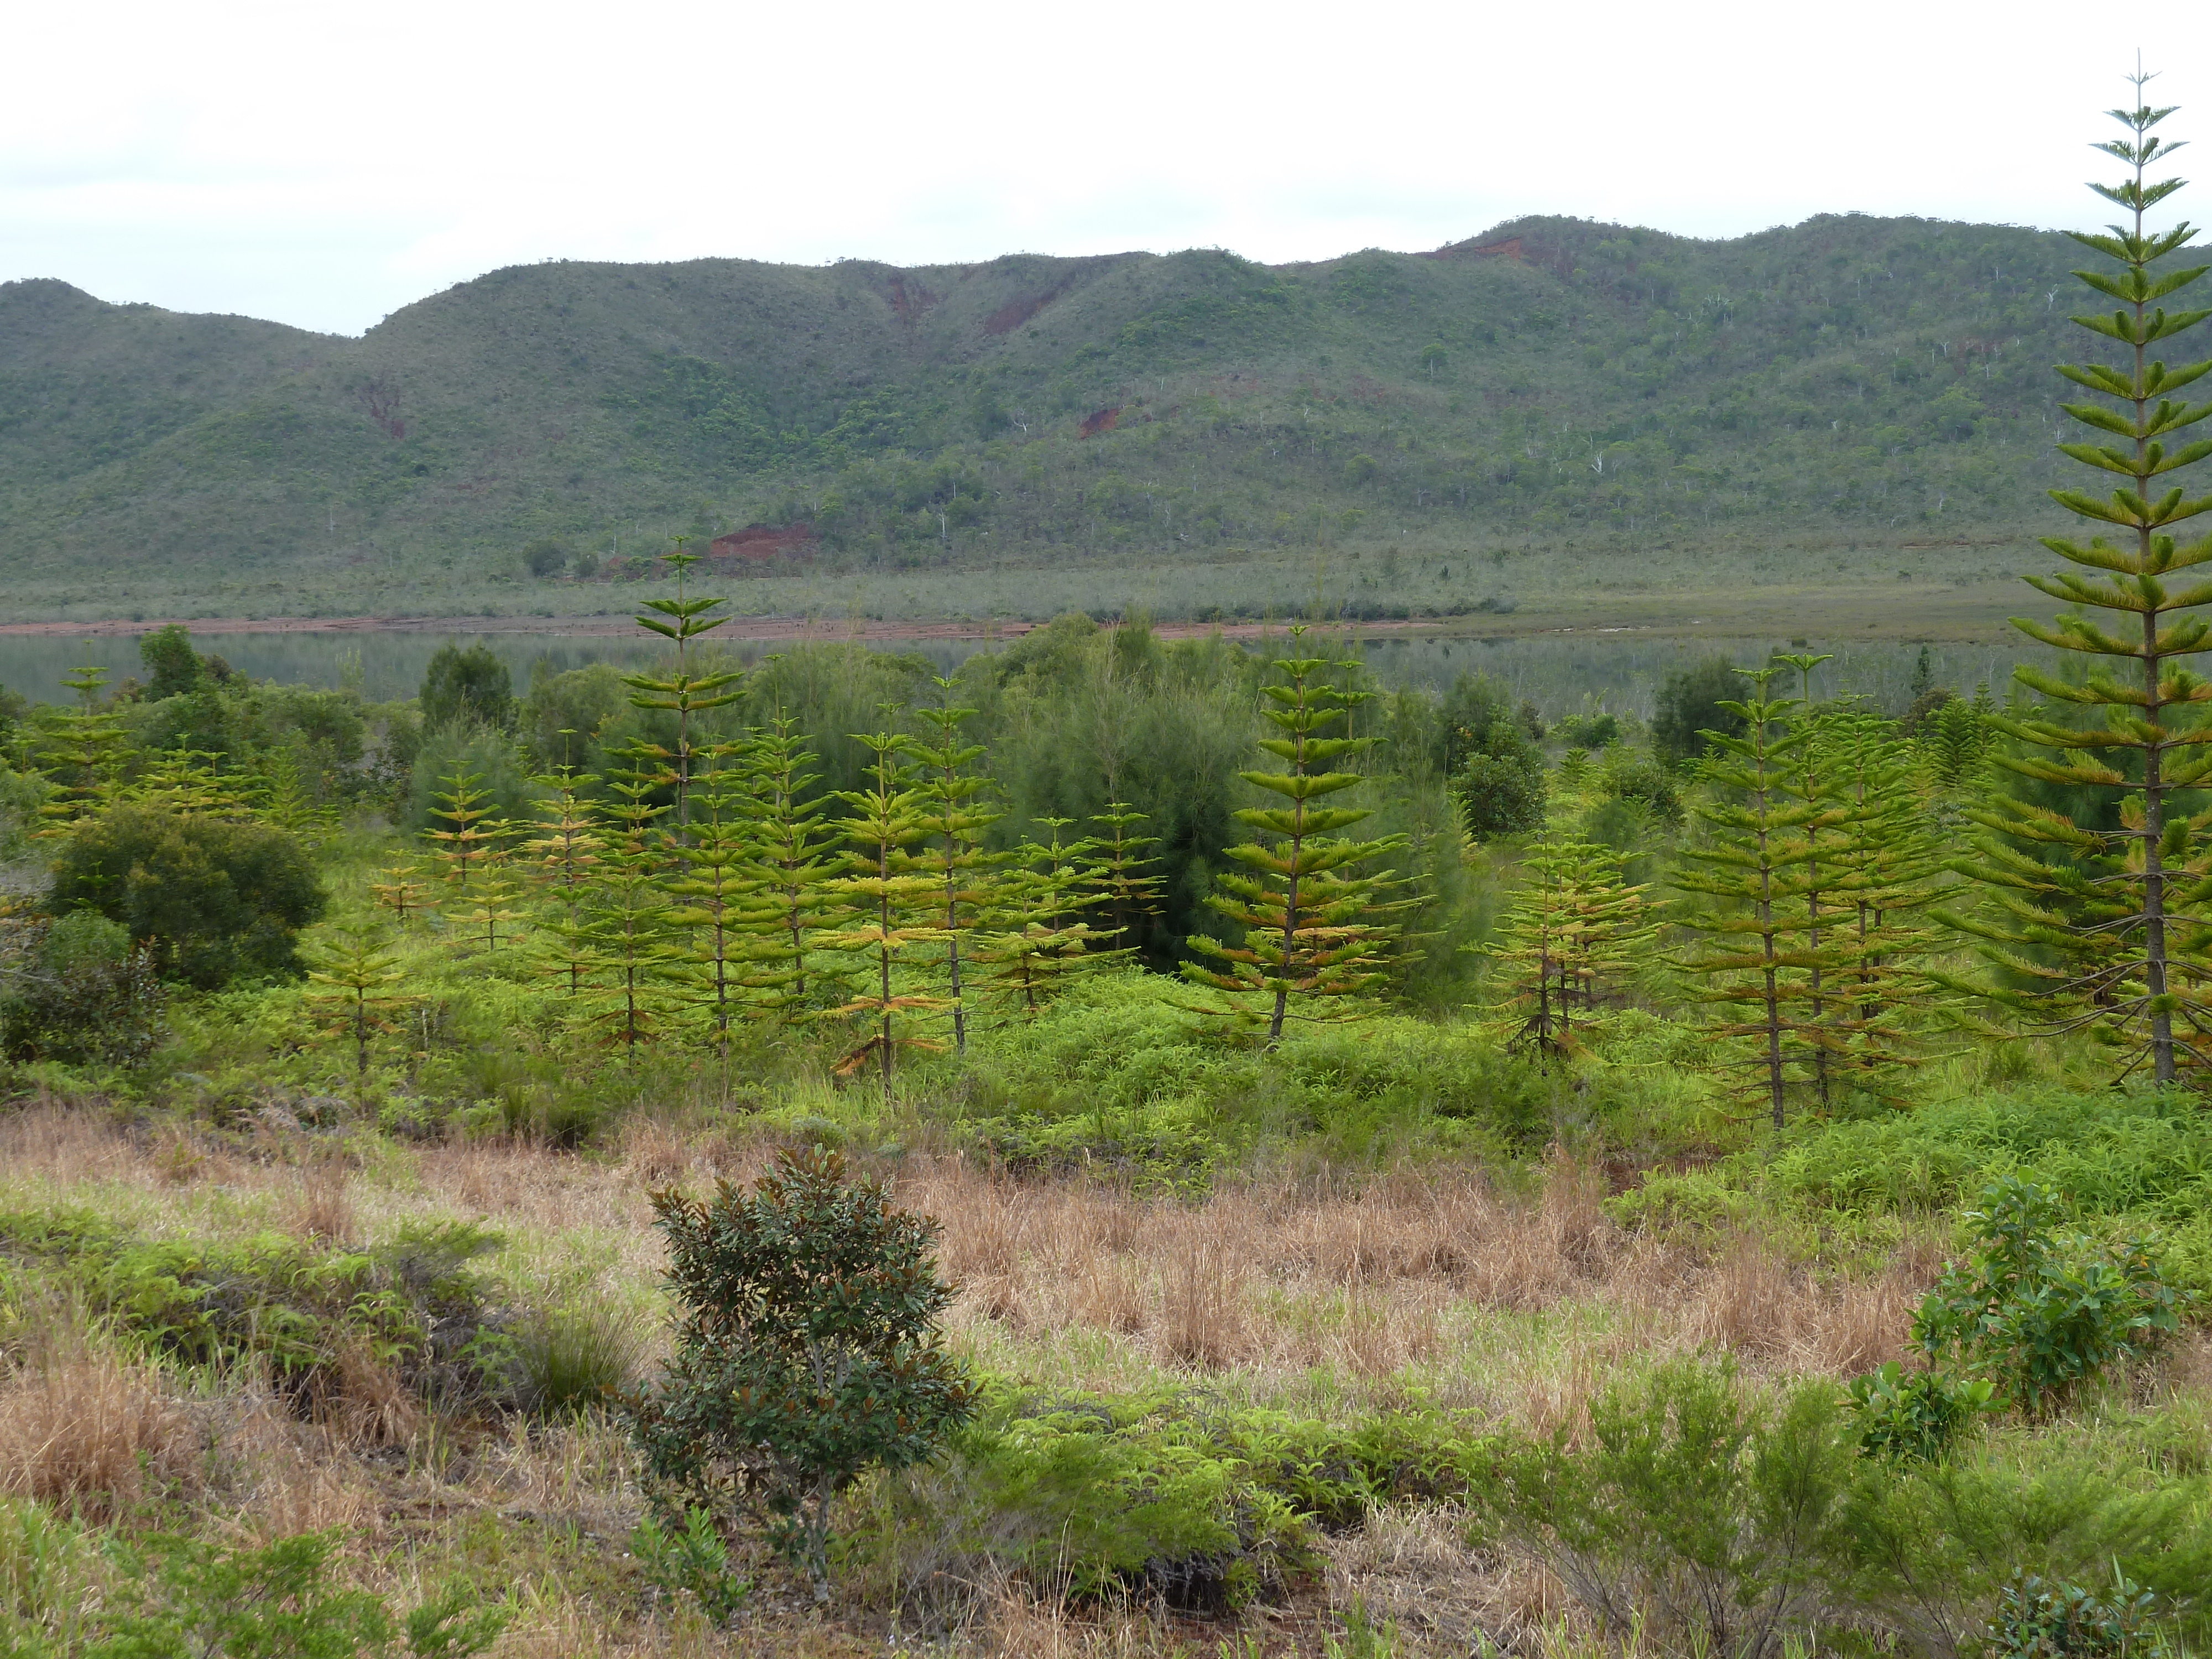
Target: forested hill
[{"x": 1849, "y": 376}]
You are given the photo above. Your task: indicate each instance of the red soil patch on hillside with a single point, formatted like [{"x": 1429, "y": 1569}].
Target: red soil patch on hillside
[{"x": 760, "y": 545}]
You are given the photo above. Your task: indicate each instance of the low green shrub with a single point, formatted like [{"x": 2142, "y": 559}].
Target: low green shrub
[
  {"x": 1915, "y": 1416},
  {"x": 689, "y": 1561},
  {"x": 182, "y": 1596},
  {"x": 1703, "y": 1509},
  {"x": 417, "y": 1304},
  {"x": 2043, "y": 1309},
  {"x": 192, "y": 1597},
  {"x": 2037, "y": 1619},
  {"x": 1176, "y": 1495},
  {"x": 81, "y": 993},
  {"x": 1122, "y": 1074},
  {"x": 1706, "y": 1512},
  {"x": 806, "y": 1350}
]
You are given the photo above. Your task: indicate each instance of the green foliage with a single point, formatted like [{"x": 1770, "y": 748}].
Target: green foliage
[
  {"x": 805, "y": 1349},
  {"x": 2038, "y": 1620},
  {"x": 48, "y": 1569},
  {"x": 188, "y": 1596},
  {"x": 199, "y": 1598},
  {"x": 415, "y": 1304},
  {"x": 1701, "y": 1507},
  {"x": 78, "y": 991},
  {"x": 1693, "y": 704},
  {"x": 216, "y": 900},
  {"x": 2104, "y": 926},
  {"x": 1187, "y": 1498},
  {"x": 467, "y": 686},
  {"x": 690, "y": 1560},
  {"x": 1915, "y": 1416},
  {"x": 2044, "y": 1311},
  {"x": 1119, "y": 1077}
]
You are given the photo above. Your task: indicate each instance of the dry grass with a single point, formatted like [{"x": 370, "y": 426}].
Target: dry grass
[
  {"x": 1519, "y": 1304},
  {"x": 1401, "y": 1274},
  {"x": 323, "y": 1212},
  {"x": 91, "y": 1432}
]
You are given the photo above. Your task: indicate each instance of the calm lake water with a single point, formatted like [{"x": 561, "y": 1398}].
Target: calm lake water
[{"x": 1560, "y": 673}]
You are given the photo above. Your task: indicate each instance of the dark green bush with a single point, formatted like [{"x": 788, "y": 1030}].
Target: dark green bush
[
  {"x": 216, "y": 900},
  {"x": 1502, "y": 785},
  {"x": 806, "y": 1349},
  {"x": 81, "y": 993},
  {"x": 467, "y": 686},
  {"x": 2044, "y": 1310},
  {"x": 173, "y": 667},
  {"x": 1689, "y": 706},
  {"x": 2038, "y": 1620},
  {"x": 1599, "y": 731}
]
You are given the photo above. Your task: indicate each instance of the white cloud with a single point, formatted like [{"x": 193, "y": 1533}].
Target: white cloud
[{"x": 325, "y": 164}]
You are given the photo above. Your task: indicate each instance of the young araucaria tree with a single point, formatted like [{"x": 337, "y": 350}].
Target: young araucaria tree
[
  {"x": 2103, "y": 927},
  {"x": 792, "y": 861},
  {"x": 1755, "y": 960},
  {"x": 1569, "y": 940},
  {"x": 958, "y": 817},
  {"x": 680, "y": 692},
  {"x": 894, "y": 896},
  {"x": 1310, "y": 930},
  {"x": 353, "y": 981}
]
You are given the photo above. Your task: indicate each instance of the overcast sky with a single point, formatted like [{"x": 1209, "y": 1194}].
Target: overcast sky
[{"x": 326, "y": 164}]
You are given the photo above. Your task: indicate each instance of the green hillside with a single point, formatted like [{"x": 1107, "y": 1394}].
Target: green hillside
[{"x": 1555, "y": 404}]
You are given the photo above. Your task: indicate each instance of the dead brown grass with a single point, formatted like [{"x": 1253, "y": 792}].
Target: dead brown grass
[
  {"x": 1373, "y": 1281},
  {"x": 91, "y": 1432},
  {"x": 323, "y": 1210}
]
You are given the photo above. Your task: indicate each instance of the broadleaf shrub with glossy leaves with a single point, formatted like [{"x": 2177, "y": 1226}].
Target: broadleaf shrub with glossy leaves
[
  {"x": 2046, "y": 1310},
  {"x": 806, "y": 1349},
  {"x": 1915, "y": 1416}
]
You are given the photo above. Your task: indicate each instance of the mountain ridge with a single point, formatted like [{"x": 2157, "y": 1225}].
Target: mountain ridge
[{"x": 1849, "y": 376}]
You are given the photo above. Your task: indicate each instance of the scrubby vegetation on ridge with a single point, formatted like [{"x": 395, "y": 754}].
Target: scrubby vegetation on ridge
[{"x": 1443, "y": 432}]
